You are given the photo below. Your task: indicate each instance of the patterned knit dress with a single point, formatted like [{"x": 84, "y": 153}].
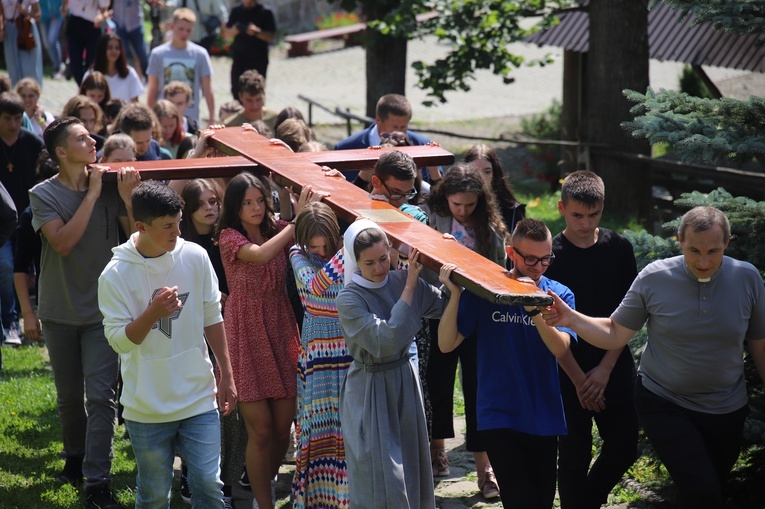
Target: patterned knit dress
[{"x": 321, "y": 475}]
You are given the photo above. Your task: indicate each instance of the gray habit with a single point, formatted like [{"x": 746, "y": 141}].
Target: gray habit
[{"x": 386, "y": 438}]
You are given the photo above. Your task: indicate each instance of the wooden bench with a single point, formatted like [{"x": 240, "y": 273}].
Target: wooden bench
[{"x": 299, "y": 42}]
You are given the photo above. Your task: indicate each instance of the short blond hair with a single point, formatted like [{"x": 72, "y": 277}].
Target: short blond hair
[{"x": 184, "y": 14}]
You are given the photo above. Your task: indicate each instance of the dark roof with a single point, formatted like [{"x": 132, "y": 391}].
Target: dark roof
[{"x": 668, "y": 39}]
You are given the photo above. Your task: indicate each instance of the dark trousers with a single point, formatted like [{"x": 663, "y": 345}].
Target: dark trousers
[
  {"x": 81, "y": 36},
  {"x": 238, "y": 66},
  {"x": 582, "y": 487},
  {"x": 525, "y": 467},
  {"x": 440, "y": 377},
  {"x": 698, "y": 449}
]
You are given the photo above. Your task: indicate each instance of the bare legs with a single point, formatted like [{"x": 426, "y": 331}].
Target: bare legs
[{"x": 268, "y": 432}]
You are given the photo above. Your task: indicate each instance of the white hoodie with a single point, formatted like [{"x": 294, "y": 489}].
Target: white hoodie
[{"x": 168, "y": 377}]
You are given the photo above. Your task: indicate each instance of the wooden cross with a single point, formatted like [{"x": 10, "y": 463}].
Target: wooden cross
[{"x": 252, "y": 152}]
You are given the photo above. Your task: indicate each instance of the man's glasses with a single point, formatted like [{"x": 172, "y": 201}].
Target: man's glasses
[
  {"x": 530, "y": 261},
  {"x": 399, "y": 196},
  {"x": 396, "y": 138}
]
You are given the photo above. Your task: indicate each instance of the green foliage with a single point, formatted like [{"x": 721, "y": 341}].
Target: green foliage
[
  {"x": 693, "y": 85},
  {"x": 701, "y": 131},
  {"x": 737, "y": 16},
  {"x": 478, "y": 31},
  {"x": 337, "y": 19},
  {"x": 745, "y": 216},
  {"x": 649, "y": 248}
]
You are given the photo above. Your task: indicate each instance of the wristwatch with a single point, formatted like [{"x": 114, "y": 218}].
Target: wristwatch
[{"x": 533, "y": 312}]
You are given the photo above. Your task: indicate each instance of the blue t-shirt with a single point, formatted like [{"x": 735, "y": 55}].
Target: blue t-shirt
[{"x": 518, "y": 386}]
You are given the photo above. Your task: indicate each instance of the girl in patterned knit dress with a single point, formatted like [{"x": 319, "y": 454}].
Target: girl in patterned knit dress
[
  {"x": 259, "y": 321},
  {"x": 321, "y": 474}
]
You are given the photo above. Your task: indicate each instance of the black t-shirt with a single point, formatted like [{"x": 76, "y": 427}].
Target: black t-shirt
[
  {"x": 23, "y": 155},
  {"x": 599, "y": 276},
  {"x": 250, "y": 47}
]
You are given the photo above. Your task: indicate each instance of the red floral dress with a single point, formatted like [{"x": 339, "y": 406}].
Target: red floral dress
[{"x": 263, "y": 338}]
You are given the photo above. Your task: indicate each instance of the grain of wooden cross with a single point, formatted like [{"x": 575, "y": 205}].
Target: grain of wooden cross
[{"x": 252, "y": 152}]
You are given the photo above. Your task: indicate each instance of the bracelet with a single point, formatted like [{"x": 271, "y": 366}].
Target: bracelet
[{"x": 533, "y": 312}]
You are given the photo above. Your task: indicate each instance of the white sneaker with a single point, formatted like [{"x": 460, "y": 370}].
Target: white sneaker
[{"x": 13, "y": 336}]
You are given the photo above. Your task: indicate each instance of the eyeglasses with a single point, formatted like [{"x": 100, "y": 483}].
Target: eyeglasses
[
  {"x": 530, "y": 261},
  {"x": 396, "y": 138},
  {"x": 399, "y": 196}
]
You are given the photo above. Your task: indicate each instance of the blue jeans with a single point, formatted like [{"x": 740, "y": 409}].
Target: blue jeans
[
  {"x": 50, "y": 30},
  {"x": 198, "y": 439},
  {"x": 22, "y": 63},
  {"x": 7, "y": 290},
  {"x": 85, "y": 374},
  {"x": 134, "y": 43}
]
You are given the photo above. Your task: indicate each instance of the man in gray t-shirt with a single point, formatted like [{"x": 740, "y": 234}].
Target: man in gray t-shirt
[{"x": 690, "y": 392}]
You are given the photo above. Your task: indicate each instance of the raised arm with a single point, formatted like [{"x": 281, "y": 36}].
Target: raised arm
[
  {"x": 601, "y": 332},
  {"x": 63, "y": 236},
  {"x": 264, "y": 253},
  {"x": 449, "y": 337},
  {"x": 316, "y": 282}
]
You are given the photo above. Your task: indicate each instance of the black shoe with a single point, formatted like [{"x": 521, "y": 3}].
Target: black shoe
[
  {"x": 244, "y": 481},
  {"x": 185, "y": 490},
  {"x": 100, "y": 497},
  {"x": 72, "y": 473}
]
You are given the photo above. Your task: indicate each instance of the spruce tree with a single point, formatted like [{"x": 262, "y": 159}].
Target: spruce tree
[{"x": 706, "y": 131}]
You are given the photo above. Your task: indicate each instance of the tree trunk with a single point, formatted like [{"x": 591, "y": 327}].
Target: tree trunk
[
  {"x": 386, "y": 59},
  {"x": 570, "y": 118},
  {"x": 617, "y": 59}
]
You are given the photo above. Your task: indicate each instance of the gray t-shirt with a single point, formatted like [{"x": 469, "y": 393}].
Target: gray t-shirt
[
  {"x": 696, "y": 331},
  {"x": 68, "y": 285},
  {"x": 187, "y": 65}
]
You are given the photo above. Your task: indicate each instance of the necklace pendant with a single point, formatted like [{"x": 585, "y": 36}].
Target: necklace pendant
[{"x": 10, "y": 167}]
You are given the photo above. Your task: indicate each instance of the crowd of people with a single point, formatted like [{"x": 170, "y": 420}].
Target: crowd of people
[{"x": 309, "y": 332}]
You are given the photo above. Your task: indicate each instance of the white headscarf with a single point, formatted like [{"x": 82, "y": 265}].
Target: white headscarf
[{"x": 349, "y": 237}]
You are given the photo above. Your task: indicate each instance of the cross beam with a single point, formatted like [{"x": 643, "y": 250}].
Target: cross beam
[
  {"x": 477, "y": 274},
  {"x": 214, "y": 167}
]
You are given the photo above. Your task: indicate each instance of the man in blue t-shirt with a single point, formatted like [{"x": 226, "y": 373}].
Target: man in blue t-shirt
[{"x": 519, "y": 406}]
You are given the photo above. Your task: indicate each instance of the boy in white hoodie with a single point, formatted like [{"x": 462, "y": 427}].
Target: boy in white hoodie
[{"x": 160, "y": 300}]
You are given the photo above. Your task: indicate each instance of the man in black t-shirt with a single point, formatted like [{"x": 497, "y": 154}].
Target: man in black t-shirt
[
  {"x": 253, "y": 28},
  {"x": 19, "y": 150},
  {"x": 598, "y": 265}
]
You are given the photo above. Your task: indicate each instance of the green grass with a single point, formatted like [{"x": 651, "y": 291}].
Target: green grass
[{"x": 30, "y": 440}]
